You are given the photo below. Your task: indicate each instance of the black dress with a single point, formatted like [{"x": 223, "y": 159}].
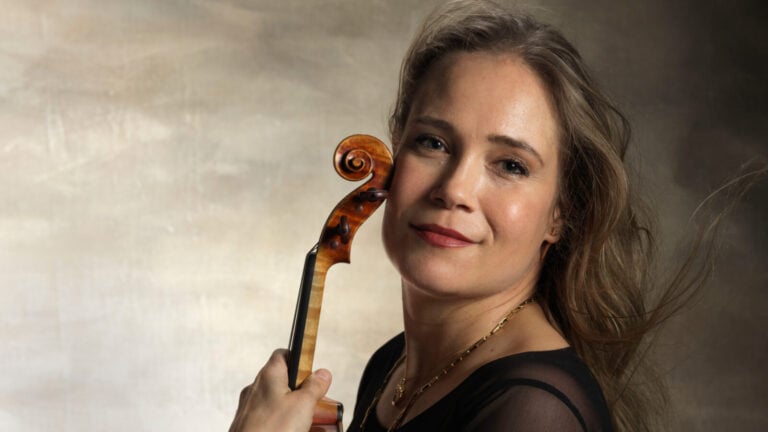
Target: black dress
[{"x": 526, "y": 392}]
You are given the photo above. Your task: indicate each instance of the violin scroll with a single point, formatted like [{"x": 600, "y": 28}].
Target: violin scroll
[{"x": 358, "y": 155}]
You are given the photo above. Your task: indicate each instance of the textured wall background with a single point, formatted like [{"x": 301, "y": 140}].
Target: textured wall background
[{"x": 165, "y": 165}]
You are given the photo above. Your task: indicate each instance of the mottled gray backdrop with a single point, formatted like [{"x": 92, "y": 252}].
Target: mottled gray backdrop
[{"x": 165, "y": 165}]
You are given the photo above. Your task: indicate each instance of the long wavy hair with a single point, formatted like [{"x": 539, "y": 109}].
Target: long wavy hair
[{"x": 594, "y": 284}]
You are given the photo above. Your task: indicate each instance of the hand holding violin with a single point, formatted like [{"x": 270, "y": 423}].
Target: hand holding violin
[{"x": 270, "y": 405}]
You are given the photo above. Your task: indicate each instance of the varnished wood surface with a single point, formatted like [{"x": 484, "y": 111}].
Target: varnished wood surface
[
  {"x": 355, "y": 158},
  {"x": 328, "y": 412}
]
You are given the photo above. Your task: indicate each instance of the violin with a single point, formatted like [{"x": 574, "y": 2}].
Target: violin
[{"x": 355, "y": 158}]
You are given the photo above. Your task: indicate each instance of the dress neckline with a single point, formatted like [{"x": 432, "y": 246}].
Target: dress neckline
[{"x": 400, "y": 345}]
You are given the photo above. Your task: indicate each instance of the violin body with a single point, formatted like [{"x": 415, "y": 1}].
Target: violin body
[{"x": 356, "y": 157}]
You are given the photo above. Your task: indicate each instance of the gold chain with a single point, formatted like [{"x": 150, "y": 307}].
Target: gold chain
[
  {"x": 447, "y": 368},
  {"x": 400, "y": 389}
]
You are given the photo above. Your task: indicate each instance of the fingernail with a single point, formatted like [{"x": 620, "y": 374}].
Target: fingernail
[{"x": 323, "y": 374}]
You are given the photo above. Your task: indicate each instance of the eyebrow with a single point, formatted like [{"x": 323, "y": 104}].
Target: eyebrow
[{"x": 495, "y": 138}]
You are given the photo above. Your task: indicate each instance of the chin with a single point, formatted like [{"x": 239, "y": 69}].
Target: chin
[{"x": 438, "y": 280}]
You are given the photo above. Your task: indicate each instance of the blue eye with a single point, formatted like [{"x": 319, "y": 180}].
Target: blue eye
[
  {"x": 430, "y": 143},
  {"x": 515, "y": 167}
]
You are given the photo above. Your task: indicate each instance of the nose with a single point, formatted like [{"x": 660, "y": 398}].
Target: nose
[{"x": 457, "y": 187}]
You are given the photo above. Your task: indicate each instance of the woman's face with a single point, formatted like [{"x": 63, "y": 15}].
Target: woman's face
[{"x": 473, "y": 197}]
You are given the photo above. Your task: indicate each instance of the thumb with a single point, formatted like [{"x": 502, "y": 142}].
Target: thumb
[{"x": 317, "y": 384}]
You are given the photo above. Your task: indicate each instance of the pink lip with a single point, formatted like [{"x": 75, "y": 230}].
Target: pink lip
[{"x": 439, "y": 236}]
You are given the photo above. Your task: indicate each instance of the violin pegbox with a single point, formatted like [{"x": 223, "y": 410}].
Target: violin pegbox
[{"x": 356, "y": 157}]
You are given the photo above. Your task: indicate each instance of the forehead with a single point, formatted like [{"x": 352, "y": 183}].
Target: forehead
[{"x": 489, "y": 92}]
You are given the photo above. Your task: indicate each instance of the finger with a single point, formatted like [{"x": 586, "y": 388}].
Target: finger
[
  {"x": 242, "y": 409},
  {"x": 278, "y": 363},
  {"x": 316, "y": 385},
  {"x": 273, "y": 377},
  {"x": 244, "y": 395},
  {"x": 279, "y": 358}
]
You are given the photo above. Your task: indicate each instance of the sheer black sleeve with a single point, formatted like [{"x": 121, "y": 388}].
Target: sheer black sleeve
[
  {"x": 547, "y": 391},
  {"x": 525, "y": 408}
]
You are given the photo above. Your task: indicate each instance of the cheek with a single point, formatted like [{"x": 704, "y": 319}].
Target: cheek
[
  {"x": 394, "y": 231},
  {"x": 408, "y": 185},
  {"x": 406, "y": 191},
  {"x": 525, "y": 221},
  {"x": 387, "y": 231},
  {"x": 393, "y": 212}
]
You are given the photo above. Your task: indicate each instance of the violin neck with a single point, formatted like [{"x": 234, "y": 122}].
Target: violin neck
[
  {"x": 328, "y": 413},
  {"x": 305, "y": 321}
]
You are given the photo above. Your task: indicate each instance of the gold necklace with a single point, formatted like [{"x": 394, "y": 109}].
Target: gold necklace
[{"x": 400, "y": 388}]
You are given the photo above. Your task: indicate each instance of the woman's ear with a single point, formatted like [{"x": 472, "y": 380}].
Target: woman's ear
[{"x": 555, "y": 227}]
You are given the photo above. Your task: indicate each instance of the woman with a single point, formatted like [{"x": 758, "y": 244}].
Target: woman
[{"x": 522, "y": 254}]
